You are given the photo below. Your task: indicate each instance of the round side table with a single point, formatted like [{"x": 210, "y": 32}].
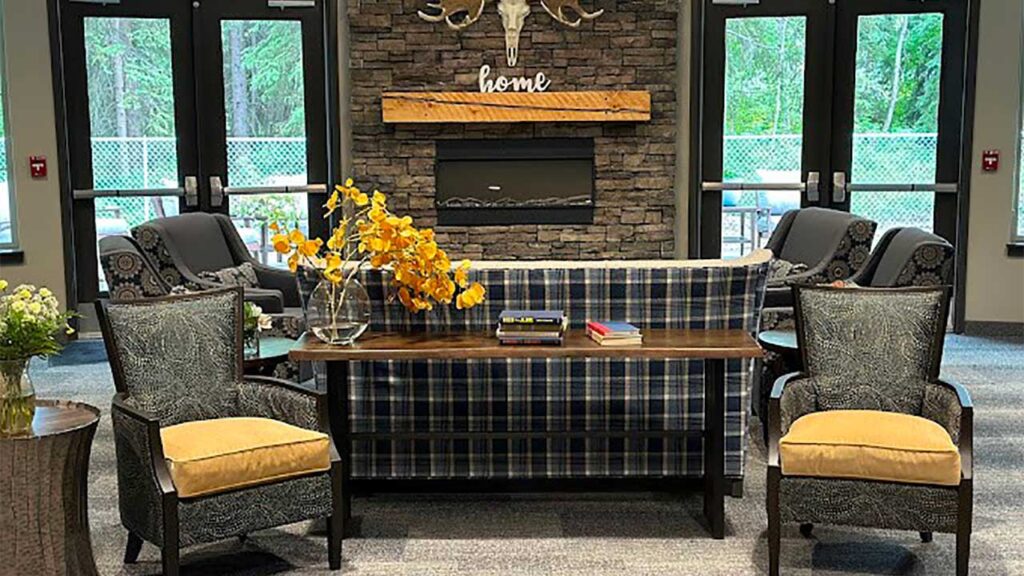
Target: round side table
[
  {"x": 44, "y": 521},
  {"x": 273, "y": 351}
]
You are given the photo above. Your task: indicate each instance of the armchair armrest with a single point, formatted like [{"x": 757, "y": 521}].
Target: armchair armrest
[
  {"x": 146, "y": 494},
  {"x": 266, "y": 397},
  {"x": 280, "y": 280},
  {"x": 961, "y": 415},
  {"x": 782, "y": 410}
]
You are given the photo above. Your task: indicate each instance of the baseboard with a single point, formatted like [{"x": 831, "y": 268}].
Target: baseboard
[{"x": 1013, "y": 330}]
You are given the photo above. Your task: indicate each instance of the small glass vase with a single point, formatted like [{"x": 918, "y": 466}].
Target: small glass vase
[
  {"x": 339, "y": 313},
  {"x": 17, "y": 398},
  {"x": 251, "y": 342}
]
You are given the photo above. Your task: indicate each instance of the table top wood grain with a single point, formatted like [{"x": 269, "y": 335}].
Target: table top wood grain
[
  {"x": 54, "y": 417},
  {"x": 662, "y": 344}
]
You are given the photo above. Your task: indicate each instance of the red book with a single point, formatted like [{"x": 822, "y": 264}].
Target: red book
[{"x": 598, "y": 327}]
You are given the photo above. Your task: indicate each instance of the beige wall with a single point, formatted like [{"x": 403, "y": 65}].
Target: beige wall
[
  {"x": 30, "y": 120},
  {"x": 995, "y": 282}
]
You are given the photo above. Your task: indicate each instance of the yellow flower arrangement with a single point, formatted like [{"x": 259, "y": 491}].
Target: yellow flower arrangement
[{"x": 371, "y": 233}]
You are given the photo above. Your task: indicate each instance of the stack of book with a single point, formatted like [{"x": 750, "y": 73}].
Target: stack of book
[
  {"x": 537, "y": 327},
  {"x": 614, "y": 333}
]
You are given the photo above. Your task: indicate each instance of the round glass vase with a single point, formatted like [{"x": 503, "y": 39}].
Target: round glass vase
[
  {"x": 17, "y": 398},
  {"x": 338, "y": 313},
  {"x": 251, "y": 342}
]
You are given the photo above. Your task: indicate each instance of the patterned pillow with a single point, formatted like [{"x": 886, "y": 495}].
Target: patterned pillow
[
  {"x": 779, "y": 269},
  {"x": 243, "y": 275}
]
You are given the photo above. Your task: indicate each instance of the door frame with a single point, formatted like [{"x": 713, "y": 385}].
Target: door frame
[
  {"x": 72, "y": 240},
  {"x": 696, "y": 201}
]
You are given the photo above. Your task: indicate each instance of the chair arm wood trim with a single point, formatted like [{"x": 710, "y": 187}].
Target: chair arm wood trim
[
  {"x": 775, "y": 415},
  {"x": 966, "y": 444}
]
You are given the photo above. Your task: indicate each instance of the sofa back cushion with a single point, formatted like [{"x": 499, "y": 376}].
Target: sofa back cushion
[{"x": 914, "y": 258}]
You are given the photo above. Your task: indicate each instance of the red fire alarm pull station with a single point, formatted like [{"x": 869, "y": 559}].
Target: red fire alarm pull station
[
  {"x": 37, "y": 165},
  {"x": 990, "y": 160}
]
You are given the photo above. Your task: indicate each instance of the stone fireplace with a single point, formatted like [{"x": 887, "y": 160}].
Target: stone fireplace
[{"x": 630, "y": 210}]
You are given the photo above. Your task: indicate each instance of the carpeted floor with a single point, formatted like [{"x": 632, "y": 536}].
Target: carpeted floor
[{"x": 601, "y": 534}]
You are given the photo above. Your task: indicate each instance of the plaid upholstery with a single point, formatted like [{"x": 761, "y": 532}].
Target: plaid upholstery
[{"x": 560, "y": 394}]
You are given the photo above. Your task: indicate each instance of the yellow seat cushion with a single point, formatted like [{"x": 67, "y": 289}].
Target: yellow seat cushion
[
  {"x": 211, "y": 456},
  {"x": 870, "y": 445}
]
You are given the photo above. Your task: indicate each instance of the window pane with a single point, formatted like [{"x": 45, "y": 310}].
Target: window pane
[
  {"x": 264, "y": 96},
  {"x": 131, "y": 103},
  {"x": 763, "y": 131},
  {"x": 892, "y": 209},
  {"x": 6, "y": 193}
]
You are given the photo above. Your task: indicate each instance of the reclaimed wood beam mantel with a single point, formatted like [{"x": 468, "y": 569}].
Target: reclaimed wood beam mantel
[{"x": 494, "y": 107}]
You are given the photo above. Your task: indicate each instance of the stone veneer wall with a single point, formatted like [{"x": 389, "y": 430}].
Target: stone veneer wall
[{"x": 632, "y": 46}]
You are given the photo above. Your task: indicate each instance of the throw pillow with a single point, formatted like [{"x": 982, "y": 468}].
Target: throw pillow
[
  {"x": 779, "y": 269},
  {"x": 243, "y": 275}
]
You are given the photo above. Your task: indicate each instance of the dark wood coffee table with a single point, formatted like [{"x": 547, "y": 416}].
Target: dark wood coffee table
[
  {"x": 44, "y": 520},
  {"x": 714, "y": 347},
  {"x": 273, "y": 351}
]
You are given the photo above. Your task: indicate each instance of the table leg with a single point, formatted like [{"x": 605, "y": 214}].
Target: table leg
[
  {"x": 714, "y": 445},
  {"x": 338, "y": 410}
]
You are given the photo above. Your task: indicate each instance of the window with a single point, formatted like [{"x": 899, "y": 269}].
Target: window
[
  {"x": 1018, "y": 226},
  {"x": 8, "y": 233}
]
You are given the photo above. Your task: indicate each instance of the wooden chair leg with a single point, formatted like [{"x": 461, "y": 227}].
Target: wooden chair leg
[
  {"x": 963, "y": 552},
  {"x": 335, "y": 533},
  {"x": 132, "y": 549},
  {"x": 774, "y": 523},
  {"x": 169, "y": 559},
  {"x": 926, "y": 537},
  {"x": 965, "y": 515}
]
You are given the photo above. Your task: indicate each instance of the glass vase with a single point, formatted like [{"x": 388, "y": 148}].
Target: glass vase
[
  {"x": 339, "y": 313},
  {"x": 251, "y": 342},
  {"x": 306, "y": 280},
  {"x": 17, "y": 398}
]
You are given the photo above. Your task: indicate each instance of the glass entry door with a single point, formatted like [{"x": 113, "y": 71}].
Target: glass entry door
[
  {"x": 175, "y": 106},
  {"x": 854, "y": 105}
]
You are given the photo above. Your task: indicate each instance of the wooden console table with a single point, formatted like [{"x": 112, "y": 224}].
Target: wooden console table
[{"x": 712, "y": 346}]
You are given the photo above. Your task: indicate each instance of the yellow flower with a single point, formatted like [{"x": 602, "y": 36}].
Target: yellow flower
[
  {"x": 281, "y": 244},
  {"x": 3, "y": 285},
  {"x": 332, "y": 203},
  {"x": 470, "y": 296},
  {"x": 274, "y": 227},
  {"x": 333, "y": 271},
  {"x": 293, "y": 262},
  {"x": 44, "y": 292},
  {"x": 309, "y": 248},
  {"x": 35, "y": 308},
  {"x": 296, "y": 236},
  {"x": 462, "y": 274}
]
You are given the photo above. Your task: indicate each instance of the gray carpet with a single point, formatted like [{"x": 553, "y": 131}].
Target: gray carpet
[{"x": 601, "y": 534}]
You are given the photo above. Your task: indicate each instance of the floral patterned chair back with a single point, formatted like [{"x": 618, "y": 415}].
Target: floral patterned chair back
[
  {"x": 128, "y": 272},
  {"x": 871, "y": 349},
  {"x": 178, "y": 358}
]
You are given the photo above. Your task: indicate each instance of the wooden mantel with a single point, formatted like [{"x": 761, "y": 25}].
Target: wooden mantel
[{"x": 478, "y": 107}]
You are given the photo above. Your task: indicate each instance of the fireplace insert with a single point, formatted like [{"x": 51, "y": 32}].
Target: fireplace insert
[{"x": 530, "y": 181}]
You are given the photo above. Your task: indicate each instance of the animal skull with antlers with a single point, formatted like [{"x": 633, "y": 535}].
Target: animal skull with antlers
[{"x": 460, "y": 14}]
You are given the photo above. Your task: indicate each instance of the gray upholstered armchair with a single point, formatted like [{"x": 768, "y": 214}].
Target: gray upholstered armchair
[
  {"x": 129, "y": 274},
  {"x": 869, "y": 435},
  {"x": 823, "y": 245},
  {"x": 908, "y": 257},
  {"x": 191, "y": 249},
  {"x": 203, "y": 452}
]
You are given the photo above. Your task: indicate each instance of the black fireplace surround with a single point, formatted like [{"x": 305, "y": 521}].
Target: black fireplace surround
[{"x": 528, "y": 181}]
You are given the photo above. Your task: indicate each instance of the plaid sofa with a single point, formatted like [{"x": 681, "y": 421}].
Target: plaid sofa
[{"x": 561, "y": 394}]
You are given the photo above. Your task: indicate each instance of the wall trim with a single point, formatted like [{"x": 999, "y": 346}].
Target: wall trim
[{"x": 1013, "y": 330}]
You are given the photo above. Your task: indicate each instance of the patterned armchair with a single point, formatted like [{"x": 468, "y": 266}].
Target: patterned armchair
[
  {"x": 190, "y": 249},
  {"x": 869, "y": 436},
  {"x": 203, "y": 452},
  {"x": 129, "y": 274},
  {"x": 908, "y": 257},
  {"x": 824, "y": 245}
]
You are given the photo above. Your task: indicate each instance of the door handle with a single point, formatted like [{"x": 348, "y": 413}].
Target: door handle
[
  {"x": 216, "y": 192},
  {"x": 838, "y": 187},
  {"x": 813, "y": 186},
  {"x": 191, "y": 191}
]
